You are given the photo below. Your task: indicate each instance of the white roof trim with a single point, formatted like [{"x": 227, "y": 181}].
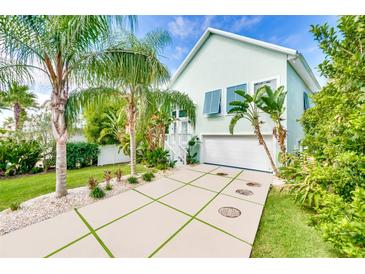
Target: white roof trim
[{"x": 304, "y": 70}]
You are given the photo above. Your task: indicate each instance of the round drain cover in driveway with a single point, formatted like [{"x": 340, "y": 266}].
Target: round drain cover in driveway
[
  {"x": 221, "y": 174},
  {"x": 245, "y": 192},
  {"x": 253, "y": 184},
  {"x": 230, "y": 212}
]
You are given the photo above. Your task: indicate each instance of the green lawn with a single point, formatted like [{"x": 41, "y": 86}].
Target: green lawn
[
  {"x": 284, "y": 233},
  {"x": 26, "y": 187}
]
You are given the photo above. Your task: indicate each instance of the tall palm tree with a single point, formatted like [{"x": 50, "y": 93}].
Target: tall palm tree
[
  {"x": 143, "y": 71},
  {"x": 272, "y": 102},
  {"x": 69, "y": 51},
  {"x": 247, "y": 109},
  {"x": 19, "y": 99}
]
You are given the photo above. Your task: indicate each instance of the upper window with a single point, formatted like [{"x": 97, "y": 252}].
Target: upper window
[
  {"x": 212, "y": 102},
  {"x": 232, "y": 96},
  {"x": 271, "y": 83},
  {"x": 306, "y": 101}
]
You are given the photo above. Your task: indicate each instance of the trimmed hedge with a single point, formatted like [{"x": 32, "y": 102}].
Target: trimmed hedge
[{"x": 81, "y": 154}]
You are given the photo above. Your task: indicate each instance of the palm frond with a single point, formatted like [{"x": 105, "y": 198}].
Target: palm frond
[
  {"x": 87, "y": 98},
  {"x": 234, "y": 121}
]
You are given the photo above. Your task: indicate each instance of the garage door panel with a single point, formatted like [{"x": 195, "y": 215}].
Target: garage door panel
[{"x": 237, "y": 151}]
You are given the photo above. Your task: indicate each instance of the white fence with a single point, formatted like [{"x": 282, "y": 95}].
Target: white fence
[{"x": 109, "y": 155}]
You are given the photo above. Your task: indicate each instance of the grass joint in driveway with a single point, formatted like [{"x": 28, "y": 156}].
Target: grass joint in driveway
[
  {"x": 192, "y": 218},
  {"x": 93, "y": 232}
]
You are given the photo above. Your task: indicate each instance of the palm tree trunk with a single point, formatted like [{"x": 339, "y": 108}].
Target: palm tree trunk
[
  {"x": 59, "y": 131},
  {"x": 263, "y": 143},
  {"x": 132, "y": 133},
  {"x": 281, "y": 138},
  {"x": 17, "y": 110},
  {"x": 61, "y": 168}
]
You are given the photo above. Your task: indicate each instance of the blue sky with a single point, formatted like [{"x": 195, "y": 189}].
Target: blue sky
[{"x": 288, "y": 31}]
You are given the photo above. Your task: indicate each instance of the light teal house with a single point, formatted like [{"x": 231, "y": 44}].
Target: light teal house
[{"x": 220, "y": 63}]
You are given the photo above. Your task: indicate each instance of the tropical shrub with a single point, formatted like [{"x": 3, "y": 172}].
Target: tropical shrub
[
  {"x": 18, "y": 156},
  {"x": 81, "y": 155},
  {"x": 191, "y": 157},
  {"x": 107, "y": 178},
  {"x": 92, "y": 183},
  {"x": 119, "y": 173},
  {"x": 148, "y": 176},
  {"x": 97, "y": 193},
  {"x": 132, "y": 180},
  {"x": 329, "y": 175},
  {"x": 157, "y": 157},
  {"x": 342, "y": 223},
  {"x": 14, "y": 206}
]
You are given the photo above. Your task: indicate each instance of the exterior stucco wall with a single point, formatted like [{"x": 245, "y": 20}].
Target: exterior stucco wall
[
  {"x": 223, "y": 62},
  {"x": 295, "y": 108}
]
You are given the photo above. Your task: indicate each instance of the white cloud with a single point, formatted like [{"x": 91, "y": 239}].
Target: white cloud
[
  {"x": 207, "y": 22},
  {"x": 182, "y": 27},
  {"x": 246, "y": 22},
  {"x": 179, "y": 52},
  {"x": 293, "y": 39}
]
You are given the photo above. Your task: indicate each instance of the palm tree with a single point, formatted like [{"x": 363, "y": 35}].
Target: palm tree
[
  {"x": 272, "y": 102},
  {"x": 69, "y": 51},
  {"x": 19, "y": 99},
  {"x": 132, "y": 83},
  {"x": 247, "y": 109},
  {"x": 156, "y": 115}
]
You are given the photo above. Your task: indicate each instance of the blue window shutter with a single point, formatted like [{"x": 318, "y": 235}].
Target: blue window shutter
[
  {"x": 232, "y": 96},
  {"x": 207, "y": 102},
  {"x": 212, "y": 102},
  {"x": 215, "y": 106}
]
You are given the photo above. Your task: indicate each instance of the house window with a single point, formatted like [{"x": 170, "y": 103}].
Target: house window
[
  {"x": 271, "y": 83},
  {"x": 173, "y": 114},
  {"x": 305, "y": 101},
  {"x": 182, "y": 113},
  {"x": 212, "y": 102},
  {"x": 232, "y": 96}
]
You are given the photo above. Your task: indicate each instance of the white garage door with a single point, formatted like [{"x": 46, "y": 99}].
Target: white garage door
[{"x": 236, "y": 151}]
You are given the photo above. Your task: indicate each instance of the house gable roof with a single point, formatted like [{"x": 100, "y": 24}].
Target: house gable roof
[{"x": 295, "y": 58}]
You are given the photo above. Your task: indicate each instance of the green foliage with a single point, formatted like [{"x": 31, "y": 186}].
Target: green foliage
[
  {"x": 343, "y": 224},
  {"x": 148, "y": 176},
  {"x": 157, "y": 157},
  {"x": 132, "y": 180},
  {"x": 108, "y": 187},
  {"x": 81, "y": 155},
  {"x": 273, "y": 103},
  {"x": 329, "y": 175},
  {"x": 36, "y": 169},
  {"x": 105, "y": 123},
  {"x": 191, "y": 157},
  {"x": 14, "y": 206},
  {"x": 97, "y": 193},
  {"x": 18, "y": 98},
  {"x": 18, "y": 156}
]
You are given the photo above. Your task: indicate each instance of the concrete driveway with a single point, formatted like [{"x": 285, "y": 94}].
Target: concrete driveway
[{"x": 193, "y": 212}]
